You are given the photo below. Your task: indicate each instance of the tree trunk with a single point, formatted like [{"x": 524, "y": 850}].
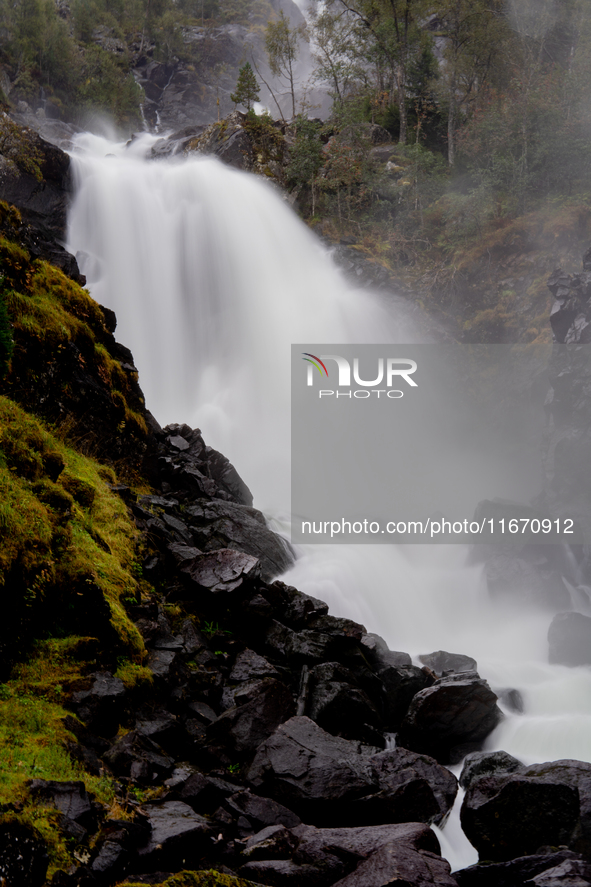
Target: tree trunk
[
  {"x": 451, "y": 124},
  {"x": 400, "y": 85}
]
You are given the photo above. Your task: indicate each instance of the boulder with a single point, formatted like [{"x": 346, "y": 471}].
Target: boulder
[
  {"x": 178, "y": 838},
  {"x": 401, "y": 684},
  {"x": 137, "y": 756},
  {"x": 101, "y": 706},
  {"x": 487, "y": 763},
  {"x": 397, "y": 863},
  {"x": 222, "y": 571},
  {"x": 411, "y": 787},
  {"x": 445, "y": 719},
  {"x": 260, "y": 812},
  {"x": 23, "y": 855},
  {"x": 444, "y": 663},
  {"x": 218, "y": 524},
  {"x": 516, "y": 872},
  {"x": 330, "y": 779},
  {"x": 244, "y": 727},
  {"x": 273, "y": 842},
  {"x": 506, "y": 816},
  {"x": 339, "y": 705},
  {"x": 304, "y": 767},
  {"x": 70, "y": 798}
]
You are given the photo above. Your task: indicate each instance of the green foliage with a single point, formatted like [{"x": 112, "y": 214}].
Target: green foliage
[
  {"x": 282, "y": 45},
  {"x": 247, "y": 87},
  {"x": 6, "y": 343},
  {"x": 267, "y": 139},
  {"x": 305, "y": 155}
]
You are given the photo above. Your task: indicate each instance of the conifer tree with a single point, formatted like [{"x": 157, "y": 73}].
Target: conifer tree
[{"x": 247, "y": 87}]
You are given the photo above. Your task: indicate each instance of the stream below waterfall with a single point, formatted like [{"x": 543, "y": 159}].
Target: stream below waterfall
[{"x": 212, "y": 277}]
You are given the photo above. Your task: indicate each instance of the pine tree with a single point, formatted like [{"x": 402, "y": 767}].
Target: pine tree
[{"x": 247, "y": 87}]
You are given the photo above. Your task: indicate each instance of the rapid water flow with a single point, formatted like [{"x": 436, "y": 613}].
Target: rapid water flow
[{"x": 212, "y": 277}]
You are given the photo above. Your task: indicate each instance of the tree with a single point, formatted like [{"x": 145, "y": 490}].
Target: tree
[
  {"x": 247, "y": 87},
  {"x": 472, "y": 32},
  {"x": 282, "y": 44}
]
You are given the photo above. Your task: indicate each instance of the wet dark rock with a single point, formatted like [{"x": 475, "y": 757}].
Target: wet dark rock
[
  {"x": 304, "y": 767},
  {"x": 70, "y": 798},
  {"x": 285, "y": 872},
  {"x": 454, "y": 711},
  {"x": 443, "y": 663},
  {"x": 397, "y": 863},
  {"x": 330, "y": 779},
  {"x": 205, "y": 793},
  {"x": 411, "y": 788},
  {"x": 249, "y": 665},
  {"x": 485, "y": 763},
  {"x": 512, "y": 699},
  {"x": 102, "y": 704},
  {"x": 222, "y": 571},
  {"x": 110, "y": 861},
  {"x": 401, "y": 684},
  {"x": 244, "y": 727},
  {"x": 569, "y": 639},
  {"x": 23, "y": 856},
  {"x": 220, "y": 524},
  {"x": 338, "y": 704},
  {"x": 516, "y": 873},
  {"x": 510, "y": 815},
  {"x": 138, "y": 756},
  {"x": 178, "y": 838},
  {"x": 573, "y": 872},
  {"x": 273, "y": 842},
  {"x": 260, "y": 812},
  {"x": 160, "y": 663}
]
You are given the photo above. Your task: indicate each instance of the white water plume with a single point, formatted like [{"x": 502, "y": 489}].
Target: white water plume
[{"x": 212, "y": 277}]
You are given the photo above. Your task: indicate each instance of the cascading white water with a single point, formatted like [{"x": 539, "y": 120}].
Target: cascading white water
[{"x": 212, "y": 278}]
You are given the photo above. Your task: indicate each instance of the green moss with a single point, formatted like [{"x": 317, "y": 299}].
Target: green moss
[
  {"x": 208, "y": 878},
  {"x": 95, "y": 554},
  {"x": 134, "y": 675}
]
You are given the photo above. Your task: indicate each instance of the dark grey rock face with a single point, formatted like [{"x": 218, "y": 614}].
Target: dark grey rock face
[{"x": 455, "y": 711}]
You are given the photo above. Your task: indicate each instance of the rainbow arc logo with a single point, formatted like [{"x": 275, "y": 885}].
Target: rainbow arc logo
[{"x": 315, "y": 361}]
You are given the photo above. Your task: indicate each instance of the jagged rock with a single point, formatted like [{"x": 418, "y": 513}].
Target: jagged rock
[
  {"x": 178, "y": 839},
  {"x": 454, "y": 711},
  {"x": 570, "y": 873},
  {"x": 516, "y": 873},
  {"x": 273, "y": 842},
  {"x": 304, "y": 767},
  {"x": 411, "y": 788},
  {"x": 220, "y": 524},
  {"x": 23, "y": 856},
  {"x": 70, "y": 798},
  {"x": 206, "y": 793},
  {"x": 222, "y": 571},
  {"x": 101, "y": 706},
  {"x": 510, "y": 815},
  {"x": 569, "y": 639},
  {"x": 398, "y": 863},
  {"x": 442, "y": 662},
  {"x": 249, "y": 665},
  {"x": 327, "y": 778},
  {"x": 138, "y": 756},
  {"x": 338, "y": 704},
  {"x": 401, "y": 684},
  {"x": 260, "y": 812},
  {"x": 486, "y": 763},
  {"x": 110, "y": 861},
  {"x": 244, "y": 727}
]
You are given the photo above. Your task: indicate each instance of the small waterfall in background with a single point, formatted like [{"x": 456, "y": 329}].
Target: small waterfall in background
[{"x": 212, "y": 277}]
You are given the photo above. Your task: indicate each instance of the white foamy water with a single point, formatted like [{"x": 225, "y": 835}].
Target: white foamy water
[{"x": 212, "y": 278}]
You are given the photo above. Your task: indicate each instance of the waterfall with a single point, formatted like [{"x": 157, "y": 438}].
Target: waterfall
[{"x": 212, "y": 277}]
